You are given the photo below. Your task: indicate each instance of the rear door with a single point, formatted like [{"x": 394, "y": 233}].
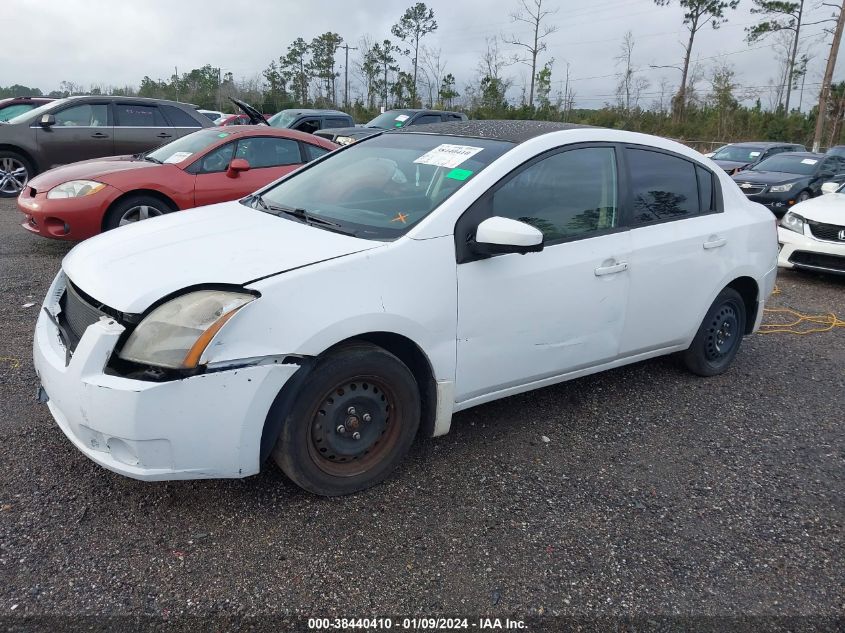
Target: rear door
[
  {"x": 139, "y": 127},
  {"x": 682, "y": 247},
  {"x": 269, "y": 158},
  {"x": 82, "y": 131}
]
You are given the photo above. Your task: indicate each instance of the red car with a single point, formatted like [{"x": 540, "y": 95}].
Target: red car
[{"x": 212, "y": 165}]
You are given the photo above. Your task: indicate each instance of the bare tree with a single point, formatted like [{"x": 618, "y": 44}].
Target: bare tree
[
  {"x": 661, "y": 102},
  {"x": 631, "y": 83},
  {"x": 434, "y": 69},
  {"x": 839, "y": 13},
  {"x": 531, "y": 12},
  {"x": 697, "y": 15}
]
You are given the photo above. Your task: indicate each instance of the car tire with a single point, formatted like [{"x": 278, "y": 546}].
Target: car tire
[
  {"x": 134, "y": 209},
  {"x": 15, "y": 172},
  {"x": 357, "y": 389},
  {"x": 719, "y": 337},
  {"x": 803, "y": 196}
]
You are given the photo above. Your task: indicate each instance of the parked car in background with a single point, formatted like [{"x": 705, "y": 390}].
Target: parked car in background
[
  {"x": 738, "y": 156},
  {"x": 812, "y": 235},
  {"x": 212, "y": 165},
  {"x": 309, "y": 121},
  {"x": 211, "y": 115},
  {"x": 15, "y": 106},
  {"x": 390, "y": 120},
  {"x": 79, "y": 128},
  {"x": 371, "y": 294},
  {"x": 233, "y": 119},
  {"x": 789, "y": 178}
]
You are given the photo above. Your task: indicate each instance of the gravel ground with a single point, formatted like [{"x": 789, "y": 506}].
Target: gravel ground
[{"x": 658, "y": 494}]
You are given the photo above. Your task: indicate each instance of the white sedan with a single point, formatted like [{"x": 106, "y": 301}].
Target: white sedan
[
  {"x": 812, "y": 234},
  {"x": 337, "y": 313}
]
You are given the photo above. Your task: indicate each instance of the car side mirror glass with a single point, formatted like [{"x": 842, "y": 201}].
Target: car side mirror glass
[
  {"x": 236, "y": 167},
  {"x": 498, "y": 235},
  {"x": 48, "y": 120},
  {"x": 831, "y": 187}
]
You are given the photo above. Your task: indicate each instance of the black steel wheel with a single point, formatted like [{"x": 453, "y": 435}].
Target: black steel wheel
[
  {"x": 718, "y": 338},
  {"x": 352, "y": 422}
]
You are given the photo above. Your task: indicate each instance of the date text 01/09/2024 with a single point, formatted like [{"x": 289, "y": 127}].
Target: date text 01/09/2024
[{"x": 414, "y": 624}]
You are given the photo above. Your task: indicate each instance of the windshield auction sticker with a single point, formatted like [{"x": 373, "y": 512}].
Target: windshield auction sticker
[
  {"x": 809, "y": 161},
  {"x": 448, "y": 155},
  {"x": 178, "y": 157}
]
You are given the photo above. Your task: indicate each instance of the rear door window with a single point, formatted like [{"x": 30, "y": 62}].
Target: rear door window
[
  {"x": 180, "y": 118},
  {"x": 336, "y": 122},
  {"x": 426, "y": 118},
  {"x": 131, "y": 115},
  {"x": 663, "y": 187}
]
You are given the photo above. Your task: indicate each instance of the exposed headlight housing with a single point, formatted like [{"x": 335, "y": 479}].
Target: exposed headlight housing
[
  {"x": 781, "y": 188},
  {"x": 75, "y": 189},
  {"x": 793, "y": 222},
  {"x": 344, "y": 140},
  {"x": 176, "y": 333}
]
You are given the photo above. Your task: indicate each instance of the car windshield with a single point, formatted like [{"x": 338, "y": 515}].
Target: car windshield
[
  {"x": 37, "y": 112},
  {"x": 788, "y": 164},
  {"x": 17, "y": 109},
  {"x": 738, "y": 154},
  {"x": 381, "y": 187},
  {"x": 391, "y": 119},
  {"x": 185, "y": 147},
  {"x": 283, "y": 118}
]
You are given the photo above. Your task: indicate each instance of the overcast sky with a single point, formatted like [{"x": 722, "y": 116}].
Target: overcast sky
[{"x": 118, "y": 42}]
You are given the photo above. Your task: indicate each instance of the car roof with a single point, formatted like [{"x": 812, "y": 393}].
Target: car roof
[
  {"x": 135, "y": 99},
  {"x": 762, "y": 144},
  {"x": 268, "y": 130},
  {"x": 314, "y": 111},
  {"x": 803, "y": 155},
  {"x": 512, "y": 131}
]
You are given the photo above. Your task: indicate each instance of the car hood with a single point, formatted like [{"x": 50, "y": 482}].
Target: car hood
[
  {"x": 829, "y": 209},
  {"x": 730, "y": 165},
  {"x": 768, "y": 177},
  {"x": 95, "y": 169},
  {"x": 132, "y": 267}
]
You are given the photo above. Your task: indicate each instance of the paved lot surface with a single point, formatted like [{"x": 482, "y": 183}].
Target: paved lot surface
[{"x": 658, "y": 493}]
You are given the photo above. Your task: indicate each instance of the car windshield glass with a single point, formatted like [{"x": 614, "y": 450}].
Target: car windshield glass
[
  {"x": 738, "y": 154},
  {"x": 283, "y": 118},
  {"x": 391, "y": 119},
  {"x": 789, "y": 164},
  {"x": 15, "y": 110},
  {"x": 185, "y": 147},
  {"x": 381, "y": 187},
  {"x": 37, "y": 112}
]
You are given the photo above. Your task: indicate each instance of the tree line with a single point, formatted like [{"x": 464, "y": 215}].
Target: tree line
[{"x": 705, "y": 103}]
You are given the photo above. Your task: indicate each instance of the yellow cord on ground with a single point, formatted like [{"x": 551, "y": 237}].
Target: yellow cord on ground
[{"x": 823, "y": 322}]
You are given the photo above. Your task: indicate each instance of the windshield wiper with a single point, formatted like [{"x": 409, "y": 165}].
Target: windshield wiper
[
  {"x": 305, "y": 216},
  {"x": 152, "y": 160}
]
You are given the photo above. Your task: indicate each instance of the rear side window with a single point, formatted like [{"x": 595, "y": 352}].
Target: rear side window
[
  {"x": 131, "y": 115},
  {"x": 705, "y": 189},
  {"x": 663, "y": 187},
  {"x": 426, "y": 118},
  {"x": 336, "y": 122},
  {"x": 180, "y": 118},
  {"x": 314, "y": 151}
]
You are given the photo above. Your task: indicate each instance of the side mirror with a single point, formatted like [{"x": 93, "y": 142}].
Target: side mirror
[
  {"x": 236, "y": 167},
  {"x": 499, "y": 235},
  {"x": 48, "y": 120},
  {"x": 831, "y": 187}
]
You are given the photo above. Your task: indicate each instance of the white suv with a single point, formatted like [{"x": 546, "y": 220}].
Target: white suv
[{"x": 332, "y": 316}]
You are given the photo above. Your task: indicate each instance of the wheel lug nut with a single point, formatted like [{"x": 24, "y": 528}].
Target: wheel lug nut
[
  {"x": 356, "y": 435},
  {"x": 351, "y": 410},
  {"x": 341, "y": 429},
  {"x": 366, "y": 417}
]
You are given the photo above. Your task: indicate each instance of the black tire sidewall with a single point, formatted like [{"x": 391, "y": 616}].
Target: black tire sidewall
[
  {"x": 695, "y": 357},
  {"x": 113, "y": 215},
  {"x": 291, "y": 451},
  {"x": 30, "y": 170}
]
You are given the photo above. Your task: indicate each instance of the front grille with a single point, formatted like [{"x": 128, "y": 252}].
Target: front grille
[
  {"x": 750, "y": 188},
  {"x": 828, "y": 232},
  {"x": 76, "y": 315},
  {"x": 818, "y": 260}
]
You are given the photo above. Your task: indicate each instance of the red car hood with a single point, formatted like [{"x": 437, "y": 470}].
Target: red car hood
[{"x": 96, "y": 169}]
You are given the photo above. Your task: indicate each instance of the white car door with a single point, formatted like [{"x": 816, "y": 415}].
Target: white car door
[
  {"x": 681, "y": 248},
  {"x": 525, "y": 318}
]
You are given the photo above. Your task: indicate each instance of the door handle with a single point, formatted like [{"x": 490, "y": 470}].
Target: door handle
[
  {"x": 165, "y": 135},
  {"x": 99, "y": 135},
  {"x": 611, "y": 270},
  {"x": 715, "y": 242}
]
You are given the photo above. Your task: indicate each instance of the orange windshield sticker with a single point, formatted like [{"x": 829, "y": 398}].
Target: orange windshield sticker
[{"x": 400, "y": 217}]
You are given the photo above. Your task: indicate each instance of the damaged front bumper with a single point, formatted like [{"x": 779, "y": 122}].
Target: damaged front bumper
[{"x": 203, "y": 426}]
